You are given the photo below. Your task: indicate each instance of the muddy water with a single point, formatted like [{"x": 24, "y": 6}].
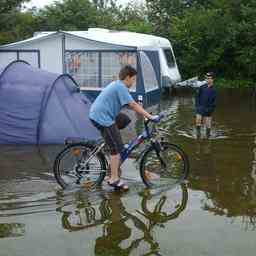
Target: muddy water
[{"x": 213, "y": 214}]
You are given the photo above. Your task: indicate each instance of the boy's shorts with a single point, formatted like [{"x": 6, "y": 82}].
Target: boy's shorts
[{"x": 111, "y": 136}]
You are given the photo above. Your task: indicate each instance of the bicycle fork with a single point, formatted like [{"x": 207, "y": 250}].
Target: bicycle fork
[{"x": 157, "y": 146}]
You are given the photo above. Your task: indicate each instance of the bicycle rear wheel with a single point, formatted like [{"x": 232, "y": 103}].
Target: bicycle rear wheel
[
  {"x": 71, "y": 166},
  {"x": 169, "y": 165}
]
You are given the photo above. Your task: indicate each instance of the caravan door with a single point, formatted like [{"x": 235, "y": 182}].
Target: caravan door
[
  {"x": 169, "y": 68},
  {"x": 150, "y": 66}
]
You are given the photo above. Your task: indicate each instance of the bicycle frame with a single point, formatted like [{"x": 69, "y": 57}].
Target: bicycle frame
[{"x": 145, "y": 135}]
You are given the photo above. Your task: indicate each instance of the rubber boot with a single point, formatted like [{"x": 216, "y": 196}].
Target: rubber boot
[
  {"x": 208, "y": 133},
  {"x": 198, "y": 131}
]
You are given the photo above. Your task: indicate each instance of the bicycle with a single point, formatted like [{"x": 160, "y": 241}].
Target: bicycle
[{"x": 87, "y": 162}]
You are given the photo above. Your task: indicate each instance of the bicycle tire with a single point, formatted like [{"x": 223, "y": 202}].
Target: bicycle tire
[
  {"x": 176, "y": 169},
  {"x": 75, "y": 149}
]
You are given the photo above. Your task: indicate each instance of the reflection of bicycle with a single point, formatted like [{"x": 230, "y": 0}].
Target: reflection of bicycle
[
  {"x": 88, "y": 216},
  {"x": 159, "y": 215},
  {"x": 86, "y": 162},
  {"x": 112, "y": 215}
]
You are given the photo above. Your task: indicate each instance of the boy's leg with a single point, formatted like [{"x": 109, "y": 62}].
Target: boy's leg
[
  {"x": 114, "y": 166},
  {"x": 208, "y": 124},
  {"x": 198, "y": 119},
  {"x": 198, "y": 125},
  {"x": 113, "y": 139}
]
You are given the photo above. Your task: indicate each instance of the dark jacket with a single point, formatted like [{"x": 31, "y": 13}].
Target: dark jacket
[{"x": 206, "y": 100}]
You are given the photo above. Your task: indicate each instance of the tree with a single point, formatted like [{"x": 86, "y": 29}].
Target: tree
[
  {"x": 67, "y": 15},
  {"x": 160, "y": 13},
  {"x": 133, "y": 18},
  {"x": 209, "y": 35},
  {"x": 8, "y": 5},
  {"x": 9, "y": 12}
]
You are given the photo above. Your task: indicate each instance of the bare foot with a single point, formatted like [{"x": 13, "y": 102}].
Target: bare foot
[
  {"x": 118, "y": 185},
  {"x": 106, "y": 178}
]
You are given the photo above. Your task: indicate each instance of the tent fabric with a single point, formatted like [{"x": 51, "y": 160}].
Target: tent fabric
[{"x": 39, "y": 107}]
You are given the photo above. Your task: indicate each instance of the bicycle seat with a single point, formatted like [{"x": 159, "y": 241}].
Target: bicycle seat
[{"x": 72, "y": 140}]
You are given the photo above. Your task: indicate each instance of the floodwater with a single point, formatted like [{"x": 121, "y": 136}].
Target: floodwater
[{"x": 214, "y": 213}]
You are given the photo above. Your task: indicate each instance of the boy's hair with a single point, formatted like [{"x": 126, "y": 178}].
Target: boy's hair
[
  {"x": 127, "y": 71},
  {"x": 209, "y": 74}
]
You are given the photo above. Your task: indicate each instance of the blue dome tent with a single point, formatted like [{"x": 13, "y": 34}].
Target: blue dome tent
[{"x": 38, "y": 107}]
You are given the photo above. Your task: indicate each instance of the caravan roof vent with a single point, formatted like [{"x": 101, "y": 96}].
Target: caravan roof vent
[
  {"x": 42, "y": 33},
  {"x": 98, "y": 30}
]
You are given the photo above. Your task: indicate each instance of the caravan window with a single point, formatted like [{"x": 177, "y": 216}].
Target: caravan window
[
  {"x": 148, "y": 72},
  {"x": 169, "y": 57},
  {"x": 30, "y": 56},
  {"x": 112, "y": 62},
  {"x": 83, "y": 67},
  {"x": 6, "y": 58},
  {"x": 96, "y": 69}
]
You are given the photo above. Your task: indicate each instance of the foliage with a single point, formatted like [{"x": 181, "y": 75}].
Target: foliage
[
  {"x": 8, "y": 5},
  {"x": 237, "y": 83},
  {"x": 10, "y": 15},
  {"x": 67, "y": 15},
  {"x": 133, "y": 18},
  {"x": 216, "y": 35}
]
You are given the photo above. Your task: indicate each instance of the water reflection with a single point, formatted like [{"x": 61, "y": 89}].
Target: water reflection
[
  {"x": 11, "y": 230},
  {"x": 124, "y": 230},
  {"x": 26, "y": 182},
  {"x": 221, "y": 184},
  {"x": 225, "y": 179},
  {"x": 221, "y": 167},
  {"x": 27, "y": 161},
  {"x": 250, "y": 220}
]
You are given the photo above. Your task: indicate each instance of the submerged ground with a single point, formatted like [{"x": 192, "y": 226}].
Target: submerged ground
[{"x": 213, "y": 214}]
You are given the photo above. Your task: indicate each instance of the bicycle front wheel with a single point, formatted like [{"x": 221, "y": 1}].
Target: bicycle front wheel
[
  {"x": 164, "y": 165},
  {"x": 75, "y": 165}
]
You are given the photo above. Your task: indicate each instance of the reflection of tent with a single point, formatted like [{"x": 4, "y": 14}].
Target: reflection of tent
[{"x": 38, "y": 107}]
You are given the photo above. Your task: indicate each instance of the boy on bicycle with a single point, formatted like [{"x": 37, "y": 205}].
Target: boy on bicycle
[{"x": 104, "y": 111}]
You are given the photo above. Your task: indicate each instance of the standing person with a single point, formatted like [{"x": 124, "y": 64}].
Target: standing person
[
  {"x": 103, "y": 114},
  {"x": 205, "y": 105}
]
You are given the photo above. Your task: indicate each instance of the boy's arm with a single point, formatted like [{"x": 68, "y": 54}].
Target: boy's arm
[{"x": 139, "y": 109}]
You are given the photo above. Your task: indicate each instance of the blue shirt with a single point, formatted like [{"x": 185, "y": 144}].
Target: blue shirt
[{"x": 108, "y": 104}]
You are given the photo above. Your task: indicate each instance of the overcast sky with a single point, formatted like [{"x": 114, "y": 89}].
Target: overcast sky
[{"x": 41, "y": 3}]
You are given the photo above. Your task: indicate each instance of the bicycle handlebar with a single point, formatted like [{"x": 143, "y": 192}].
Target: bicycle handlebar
[
  {"x": 160, "y": 117},
  {"x": 157, "y": 120}
]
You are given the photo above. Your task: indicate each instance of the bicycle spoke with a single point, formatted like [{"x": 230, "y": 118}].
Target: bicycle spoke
[
  {"x": 175, "y": 166},
  {"x": 76, "y": 164}
]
